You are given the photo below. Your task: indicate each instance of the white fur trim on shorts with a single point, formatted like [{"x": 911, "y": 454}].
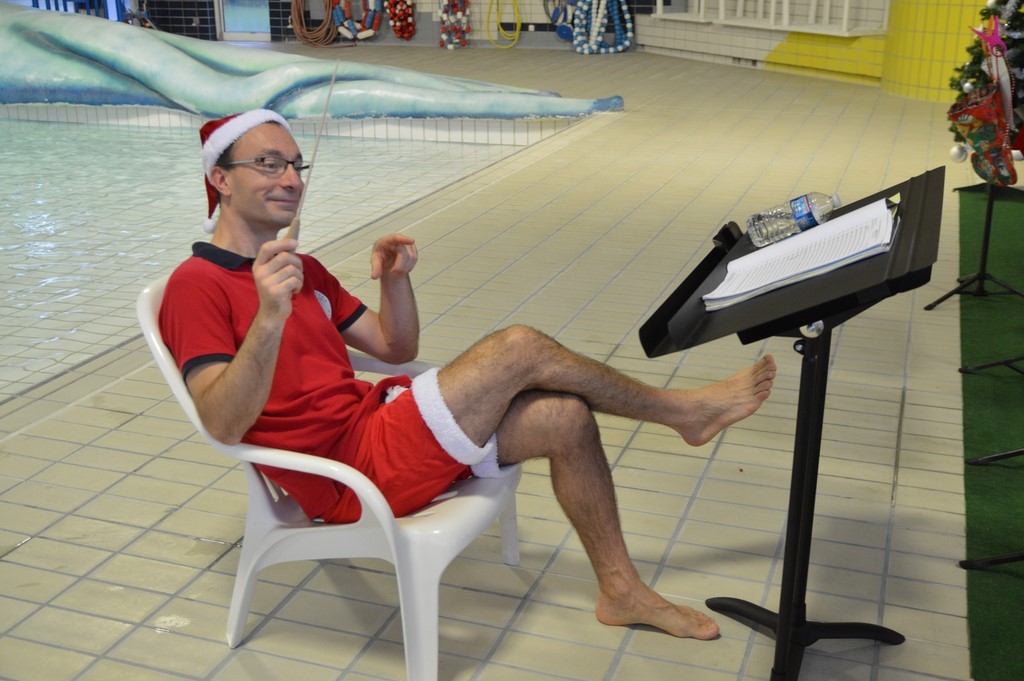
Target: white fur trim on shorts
[{"x": 483, "y": 460}]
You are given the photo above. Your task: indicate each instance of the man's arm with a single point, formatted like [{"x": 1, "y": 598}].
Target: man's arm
[
  {"x": 230, "y": 396},
  {"x": 393, "y": 333}
]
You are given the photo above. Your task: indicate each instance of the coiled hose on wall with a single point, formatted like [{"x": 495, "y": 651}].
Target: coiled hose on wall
[
  {"x": 494, "y": 8},
  {"x": 325, "y": 34}
]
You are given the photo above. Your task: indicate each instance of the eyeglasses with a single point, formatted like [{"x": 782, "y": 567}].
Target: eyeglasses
[{"x": 275, "y": 166}]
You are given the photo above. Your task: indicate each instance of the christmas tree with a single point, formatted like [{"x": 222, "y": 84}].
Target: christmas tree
[{"x": 987, "y": 112}]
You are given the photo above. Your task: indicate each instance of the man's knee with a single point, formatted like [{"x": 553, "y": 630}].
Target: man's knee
[
  {"x": 522, "y": 338},
  {"x": 546, "y": 424},
  {"x": 563, "y": 416}
]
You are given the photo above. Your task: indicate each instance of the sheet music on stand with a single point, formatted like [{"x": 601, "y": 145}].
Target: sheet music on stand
[{"x": 848, "y": 238}]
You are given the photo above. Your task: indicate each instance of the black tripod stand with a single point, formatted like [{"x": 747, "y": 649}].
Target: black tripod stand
[
  {"x": 974, "y": 284},
  {"x": 980, "y": 563}
]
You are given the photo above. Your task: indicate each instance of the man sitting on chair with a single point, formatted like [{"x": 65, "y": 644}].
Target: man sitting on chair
[{"x": 260, "y": 334}]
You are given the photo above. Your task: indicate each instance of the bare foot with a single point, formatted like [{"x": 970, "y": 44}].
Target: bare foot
[
  {"x": 715, "y": 407},
  {"x": 655, "y": 611}
]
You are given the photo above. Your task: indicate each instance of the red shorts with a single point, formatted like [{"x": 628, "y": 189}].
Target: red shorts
[{"x": 403, "y": 458}]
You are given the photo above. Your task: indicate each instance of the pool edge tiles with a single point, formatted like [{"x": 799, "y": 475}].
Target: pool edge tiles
[{"x": 514, "y": 132}]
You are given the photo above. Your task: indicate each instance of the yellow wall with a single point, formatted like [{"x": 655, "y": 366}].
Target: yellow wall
[
  {"x": 857, "y": 59},
  {"x": 925, "y": 41}
]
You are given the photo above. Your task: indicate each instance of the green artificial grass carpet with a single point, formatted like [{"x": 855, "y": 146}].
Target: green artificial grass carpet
[{"x": 991, "y": 329}]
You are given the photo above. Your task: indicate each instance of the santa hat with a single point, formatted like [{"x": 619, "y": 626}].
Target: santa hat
[{"x": 220, "y": 134}]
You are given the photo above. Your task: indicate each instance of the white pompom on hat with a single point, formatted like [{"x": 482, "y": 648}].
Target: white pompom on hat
[{"x": 220, "y": 134}]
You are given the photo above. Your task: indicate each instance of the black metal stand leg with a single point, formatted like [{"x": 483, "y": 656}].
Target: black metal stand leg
[
  {"x": 983, "y": 460},
  {"x": 980, "y": 563},
  {"x": 1009, "y": 363},
  {"x": 793, "y": 632},
  {"x": 974, "y": 284}
]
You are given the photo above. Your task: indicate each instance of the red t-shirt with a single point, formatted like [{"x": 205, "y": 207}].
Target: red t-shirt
[{"x": 208, "y": 307}]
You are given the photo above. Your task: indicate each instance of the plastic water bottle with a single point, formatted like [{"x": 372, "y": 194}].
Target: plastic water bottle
[{"x": 792, "y": 217}]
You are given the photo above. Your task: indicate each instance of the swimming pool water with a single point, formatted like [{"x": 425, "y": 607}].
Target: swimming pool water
[{"x": 89, "y": 214}]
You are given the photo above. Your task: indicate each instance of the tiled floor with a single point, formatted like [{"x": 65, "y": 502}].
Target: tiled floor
[{"x": 119, "y": 529}]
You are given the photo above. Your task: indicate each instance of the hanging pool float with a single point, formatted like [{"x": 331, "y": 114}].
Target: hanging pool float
[{"x": 590, "y": 24}]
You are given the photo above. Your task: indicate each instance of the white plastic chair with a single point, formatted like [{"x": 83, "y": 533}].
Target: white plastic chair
[{"x": 420, "y": 546}]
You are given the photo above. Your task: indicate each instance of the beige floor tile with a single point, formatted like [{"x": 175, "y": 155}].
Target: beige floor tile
[
  {"x": 739, "y": 515},
  {"x": 828, "y": 553},
  {"x": 637, "y": 667},
  {"x": 386, "y": 660},
  {"x": 247, "y": 665},
  {"x": 693, "y": 587},
  {"x": 209, "y": 526},
  {"x": 38, "y": 447},
  {"x": 940, "y": 598},
  {"x": 553, "y": 656},
  {"x": 121, "y": 510},
  {"x": 931, "y": 626},
  {"x": 78, "y": 477},
  {"x": 489, "y": 577},
  {"x": 181, "y": 550},
  {"x": 62, "y": 628},
  {"x": 331, "y": 612},
  {"x": 144, "y": 573},
  {"x": 109, "y": 670},
  {"x": 21, "y": 467},
  {"x": 93, "y": 417},
  {"x": 887, "y": 674},
  {"x": 19, "y": 518},
  {"x": 734, "y": 538},
  {"x": 500, "y": 672},
  {"x": 57, "y": 556},
  {"x": 166, "y": 650},
  {"x": 13, "y": 611},
  {"x": 45, "y": 496},
  {"x": 191, "y": 618},
  {"x": 325, "y": 647},
  {"x": 736, "y": 562},
  {"x": 219, "y": 502},
  {"x": 181, "y": 471},
  {"x": 68, "y": 432},
  {"x": 31, "y": 661},
  {"x": 109, "y": 600},
  {"x": 927, "y": 568},
  {"x": 928, "y": 658},
  {"x": 931, "y": 499},
  {"x": 30, "y": 583},
  {"x": 153, "y": 490},
  {"x": 106, "y": 459},
  {"x": 848, "y": 531},
  {"x": 494, "y": 610},
  {"x": 134, "y": 442}
]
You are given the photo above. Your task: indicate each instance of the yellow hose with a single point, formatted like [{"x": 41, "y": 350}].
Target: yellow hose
[{"x": 512, "y": 37}]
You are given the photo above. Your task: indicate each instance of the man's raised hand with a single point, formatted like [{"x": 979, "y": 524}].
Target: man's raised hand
[{"x": 394, "y": 254}]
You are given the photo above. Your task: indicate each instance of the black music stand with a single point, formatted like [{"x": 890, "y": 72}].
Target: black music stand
[
  {"x": 808, "y": 310},
  {"x": 974, "y": 284}
]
